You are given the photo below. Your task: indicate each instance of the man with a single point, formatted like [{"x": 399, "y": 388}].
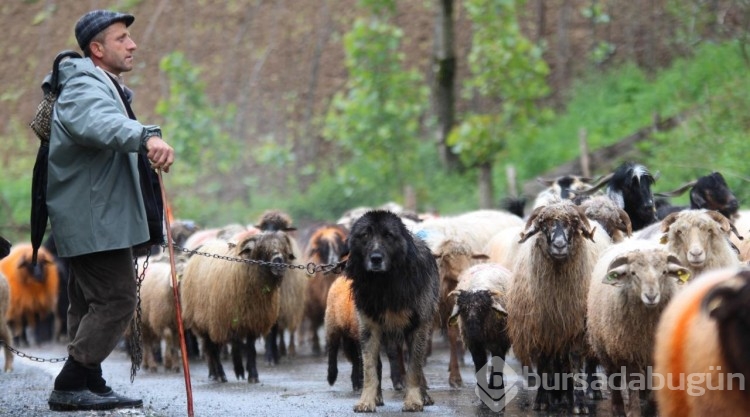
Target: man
[{"x": 96, "y": 204}]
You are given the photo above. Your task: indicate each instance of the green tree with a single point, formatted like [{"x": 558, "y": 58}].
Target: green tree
[
  {"x": 505, "y": 66},
  {"x": 376, "y": 121}
]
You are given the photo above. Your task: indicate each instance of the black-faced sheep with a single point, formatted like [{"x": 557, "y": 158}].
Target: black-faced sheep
[
  {"x": 547, "y": 301},
  {"x": 701, "y": 239},
  {"x": 293, "y": 291},
  {"x": 701, "y": 348},
  {"x": 342, "y": 330},
  {"x": 631, "y": 285},
  {"x": 395, "y": 285},
  {"x": 5, "y": 335},
  {"x": 33, "y": 289},
  {"x": 225, "y": 300},
  {"x": 325, "y": 247},
  {"x": 709, "y": 192},
  {"x": 453, "y": 257},
  {"x": 561, "y": 188},
  {"x": 480, "y": 313}
]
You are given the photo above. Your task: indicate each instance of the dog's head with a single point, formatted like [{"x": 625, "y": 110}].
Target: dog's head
[{"x": 378, "y": 241}]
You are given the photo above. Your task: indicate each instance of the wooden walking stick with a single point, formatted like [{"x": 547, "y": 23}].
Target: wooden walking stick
[{"x": 178, "y": 308}]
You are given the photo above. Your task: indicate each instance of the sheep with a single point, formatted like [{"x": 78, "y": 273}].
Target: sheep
[
  {"x": 707, "y": 192},
  {"x": 475, "y": 228},
  {"x": 293, "y": 291},
  {"x": 742, "y": 239},
  {"x": 613, "y": 219},
  {"x": 479, "y": 310},
  {"x": 225, "y": 233},
  {"x": 325, "y": 247},
  {"x": 453, "y": 257},
  {"x": 700, "y": 238},
  {"x": 5, "y": 336},
  {"x": 700, "y": 356},
  {"x": 33, "y": 289},
  {"x": 181, "y": 230},
  {"x": 547, "y": 301},
  {"x": 342, "y": 330},
  {"x": 226, "y": 300},
  {"x": 630, "y": 287},
  {"x": 158, "y": 313}
]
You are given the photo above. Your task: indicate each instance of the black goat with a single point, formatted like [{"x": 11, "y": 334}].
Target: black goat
[{"x": 709, "y": 192}]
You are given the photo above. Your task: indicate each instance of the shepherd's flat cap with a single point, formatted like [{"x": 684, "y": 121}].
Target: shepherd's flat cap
[{"x": 95, "y": 21}]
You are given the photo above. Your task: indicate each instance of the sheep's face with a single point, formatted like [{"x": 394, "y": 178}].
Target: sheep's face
[
  {"x": 327, "y": 245},
  {"x": 560, "y": 226},
  {"x": 693, "y": 234},
  {"x": 271, "y": 247},
  {"x": 476, "y": 308},
  {"x": 712, "y": 192},
  {"x": 649, "y": 275},
  {"x": 452, "y": 258},
  {"x": 729, "y": 305}
]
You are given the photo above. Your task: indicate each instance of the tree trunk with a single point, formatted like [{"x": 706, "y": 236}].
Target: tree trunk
[
  {"x": 444, "y": 87},
  {"x": 485, "y": 186},
  {"x": 563, "y": 44}
]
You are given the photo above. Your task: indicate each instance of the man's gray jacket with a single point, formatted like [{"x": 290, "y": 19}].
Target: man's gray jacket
[{"x": 93, "y": 191}]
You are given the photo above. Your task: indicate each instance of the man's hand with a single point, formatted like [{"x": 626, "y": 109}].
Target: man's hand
[{"x": 160, "y": 153}]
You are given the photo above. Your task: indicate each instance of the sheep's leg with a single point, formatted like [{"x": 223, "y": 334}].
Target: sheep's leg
[
  {"x": 370, "y": 337},
  {"x": 281, "y": 344},
  {"x": 594, "y": 385},
  {"x": 618, "y": 406},
  {"x": 316, "y": 350},
  {"x": 237, "y": 348},
  {"x": 395, "y": 354},
  {"x": 272, "y": 348},
  {"x": 576, "y": 394},
  {"x": 191, "y": 342},
  {"x": 170, "y": 353},
  {"x": 252, "y": 367},
  {"x": 292, "y": 348},
  {"x": 454, "y": 374},
  {"x": 542, "y": 398},
  {"x": 332, "y": 346},
  {"x": 215, "y": 370},
  {"x": 633, "y": 408},
  {"x": 416, "y": 392},
  {"x": 6, "y": 338},
  {"x": 649, "y": 402}
]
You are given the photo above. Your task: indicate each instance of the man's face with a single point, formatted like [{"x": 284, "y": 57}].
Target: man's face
[{"x": 115, "y": 53}]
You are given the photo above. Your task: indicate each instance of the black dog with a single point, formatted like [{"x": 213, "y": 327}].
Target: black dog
[{"x": 395, "y": 285}]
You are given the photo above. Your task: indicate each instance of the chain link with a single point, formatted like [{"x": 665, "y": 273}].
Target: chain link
[
  {"x": 136, "y": 338},
  {"x": 30, "y": 357},
  {"x": 311, "y": 268}
]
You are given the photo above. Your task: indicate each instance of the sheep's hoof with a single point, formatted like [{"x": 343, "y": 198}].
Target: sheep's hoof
[
  {"x": 427, "y": 400},
  {"x": 363, "y": 407},
  {"x": 580, "y": 409},
  {"x": 252, "y": 380},
  {"x": 456, "y": 382},
  {"x": 412, "y": 407},
  {"x": 594, "y": 395},
  {"x": 398, "y": 385}
]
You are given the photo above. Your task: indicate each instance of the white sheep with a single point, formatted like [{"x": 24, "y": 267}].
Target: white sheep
[
  {"x": 225, "y": 300},
  {"x": 701, "y": 239},
  {"x": 701, "y": 364},
  {"x": 5, "y": 334},
  {"x": 547, "y": 301},
  {"x": 479, "y": 311},
  {"x": 631, "y": 285},
  {"x": 475, "y": 228}
]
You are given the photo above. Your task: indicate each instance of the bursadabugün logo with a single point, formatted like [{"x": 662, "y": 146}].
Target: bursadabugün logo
[{"x": 490, "y": 386}]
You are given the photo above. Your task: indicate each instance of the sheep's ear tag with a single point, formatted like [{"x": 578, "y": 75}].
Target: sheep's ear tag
[
  {"x": 683, "y": 275},
  {"x": 611, "y": 278},
  {"x": 453, "y": 319},
  {"x": 663, "y": 239}
]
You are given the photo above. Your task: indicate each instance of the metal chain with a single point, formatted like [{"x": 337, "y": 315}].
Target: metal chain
[
  {"x": 136, "y": 338},
  {"x": 311, "y": 268},
  {"x": 30, "y": 357}
]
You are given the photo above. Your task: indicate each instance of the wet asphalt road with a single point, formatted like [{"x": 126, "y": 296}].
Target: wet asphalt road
[{"x": 295, "y": 387}]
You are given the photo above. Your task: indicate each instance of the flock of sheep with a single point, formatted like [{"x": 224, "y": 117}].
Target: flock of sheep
[{"x": 598, "y": 277}]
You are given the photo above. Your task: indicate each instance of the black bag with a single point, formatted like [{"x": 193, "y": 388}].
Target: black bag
[{"x": 42, "y": 126}]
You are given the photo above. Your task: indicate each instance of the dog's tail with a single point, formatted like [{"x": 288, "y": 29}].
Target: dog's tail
[{"x": 332, "y": 347}]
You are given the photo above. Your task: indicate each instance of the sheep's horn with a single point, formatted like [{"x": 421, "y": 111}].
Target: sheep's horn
[
  {"x": 677, "y": 192},
  {"x": 530, "y": 233},
  {"x": 601, "y": 182}
]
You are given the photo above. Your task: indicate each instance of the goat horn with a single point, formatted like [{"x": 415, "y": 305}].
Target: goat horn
[
  {"x": 677, "y": 192},
  {"x": 601, "y": 182}
]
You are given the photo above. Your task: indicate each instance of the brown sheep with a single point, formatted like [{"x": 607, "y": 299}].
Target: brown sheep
[
  {"x": 5, "y": 336},
  {"x": 225, "y": 300},
  {"x": 547, "y": 301},
  {"x": 701, "y": 239},
  {"x": 631, "y": 285},
  {"x": 33, "y": 290},
  {"x": 704, "y": 333},
  {"x": 610, "y": 216},
  {"x": 453, "y": 257},
  {"x": 325, "y": 247}
]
